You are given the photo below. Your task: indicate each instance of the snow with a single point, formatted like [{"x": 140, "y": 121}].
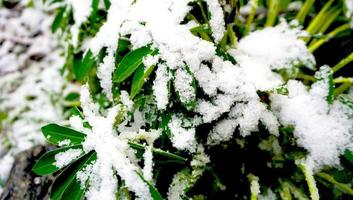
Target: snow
[
  {"x": 65, "y": 142},
  {"x": 104, "y": 141},
  {"x": 217, "y": 20},
  {"x": 349, "y": 11},
  {"x": 271, "y": 48},
  {"x": 125, "y": 100},
  {"x": 81, "y": 10},
  {"x": 160, "y": 87},
  {"x": 105, "y": 73},
  {"x": 231, "y": 99},
  {"x": 32, "y": 90},
  {"x": 64, "y": 158},
  {"x": 255, "y": 186},
  {"x": 183, "y": 86},
  {"x": 108, "y": 34},
  {"x": 185, "y": 179},
  {"x": 182, "y": 138},
  {"x": 319, "y": 127},
  {"x": 5, "y": 167},
  {"x": 148, "y": 164},
  {"x": 150, "y": 60}
]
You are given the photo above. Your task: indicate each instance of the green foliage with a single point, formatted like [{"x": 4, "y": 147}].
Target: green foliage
[
  {"x": 130, "y": 63},
  {"x": 46, "y": 163},
  {"x": 139, "y": 79},
  {"x": 56, "y": 134},
  {"x": 277, "y": 157},
  {"x": 154, "y": 192},
  {"x": 66, "y": 186},
  {"x": 84, "y": 67}
]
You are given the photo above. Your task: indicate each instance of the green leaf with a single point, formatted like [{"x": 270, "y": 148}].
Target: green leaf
[
  {"x": 226, "y": 56},
  {"x": 188, "y": 102},
  {"x": 73, "y": 96},
  {"x": 348, "y": 155},
  {"x": 73, "y": 191},
  {"x": 325, "y": 74},
  {"x": 130, "y": 63},
  {"x": 45, "y": 165},
  {"x": 65, "y": 179},
  {"x": 341, "y": 186},
  {"x": 106, "y": 4},
  {"x": 330, "y": 97},
  {"x": 75, "y": 111},
  {"x": 94, "y": 6},
  {"x": 123, "y": 45},
  {"x": 139, "y": 79},
  {"x": 173, "y": 156},
  {"x": 55, "y": 134},
  {"x": 153, "y": 190},
  {"x": 84, "y": 67},
  {"x": 58, "y": 19}
]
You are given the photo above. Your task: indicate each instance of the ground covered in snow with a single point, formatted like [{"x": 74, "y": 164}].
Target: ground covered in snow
[{"x": 32, "y": 89}]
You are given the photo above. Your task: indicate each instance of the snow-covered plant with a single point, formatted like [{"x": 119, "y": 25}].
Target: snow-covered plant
[{"x": 204, "y": 99}]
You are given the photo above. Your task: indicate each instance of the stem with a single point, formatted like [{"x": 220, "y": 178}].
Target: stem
[
  {"x": 343, "y": 187},
  {"x": 316, "y": 23},
  {"x": 309, "y": 177},
  {"x": 158, "y": 151},
  {"x": 192, "y": 17},
  {"x": 254, "y": 186},
  {"x": 330, "y": 35},
  {"x": 272, "y": 13},
  {"x": 254, "y": 5},
  {"x": 306, "y": 77},
  {"x": 343, "y": 63},
  {"x": 304, "y": 11},
  {"x": 328, "y": 19},
  {"x": 343, "y": 80},
  {"x": 232, "y": 36},
  {"x": 203, "y": 13},
  {"x": 342, "y": 88}
]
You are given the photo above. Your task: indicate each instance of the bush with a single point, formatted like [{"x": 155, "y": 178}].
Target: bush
[{"x": 205, "y": 100}]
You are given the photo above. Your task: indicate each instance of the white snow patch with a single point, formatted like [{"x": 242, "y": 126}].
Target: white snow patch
[
  {"x": 319, "y": 127},
  {"x": 103, "y": 139},
  {"x": 271, "y": 48},
  {"x": 160, "y": 87},
  {"x": 349, "y": 11},
  {"x": 64, "y": 158},
  {"x": 105, "y": 73},
  {"x": 182, "y": 138},
  {"x": 217, "y": 20}
]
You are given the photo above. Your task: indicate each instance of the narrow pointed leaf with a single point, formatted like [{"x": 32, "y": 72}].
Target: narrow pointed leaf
[
  {"x": 55, "y": 134},
  {"x": 139, "y": 79},
  {"x": 63, "y": 182},
  {"x": 123, "y": 45},
  {"x": 46, "y": 164},
  {"x": 348, "y": 155},
  {"x": 84, "y": 67},
  {"x": 159, "y": 152},
  {"x": 58, "y": 19},
  {"x": 153, "y": 190},
  {"x": 73, "y": 191},
  {"x": 130, "y": 63}
]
